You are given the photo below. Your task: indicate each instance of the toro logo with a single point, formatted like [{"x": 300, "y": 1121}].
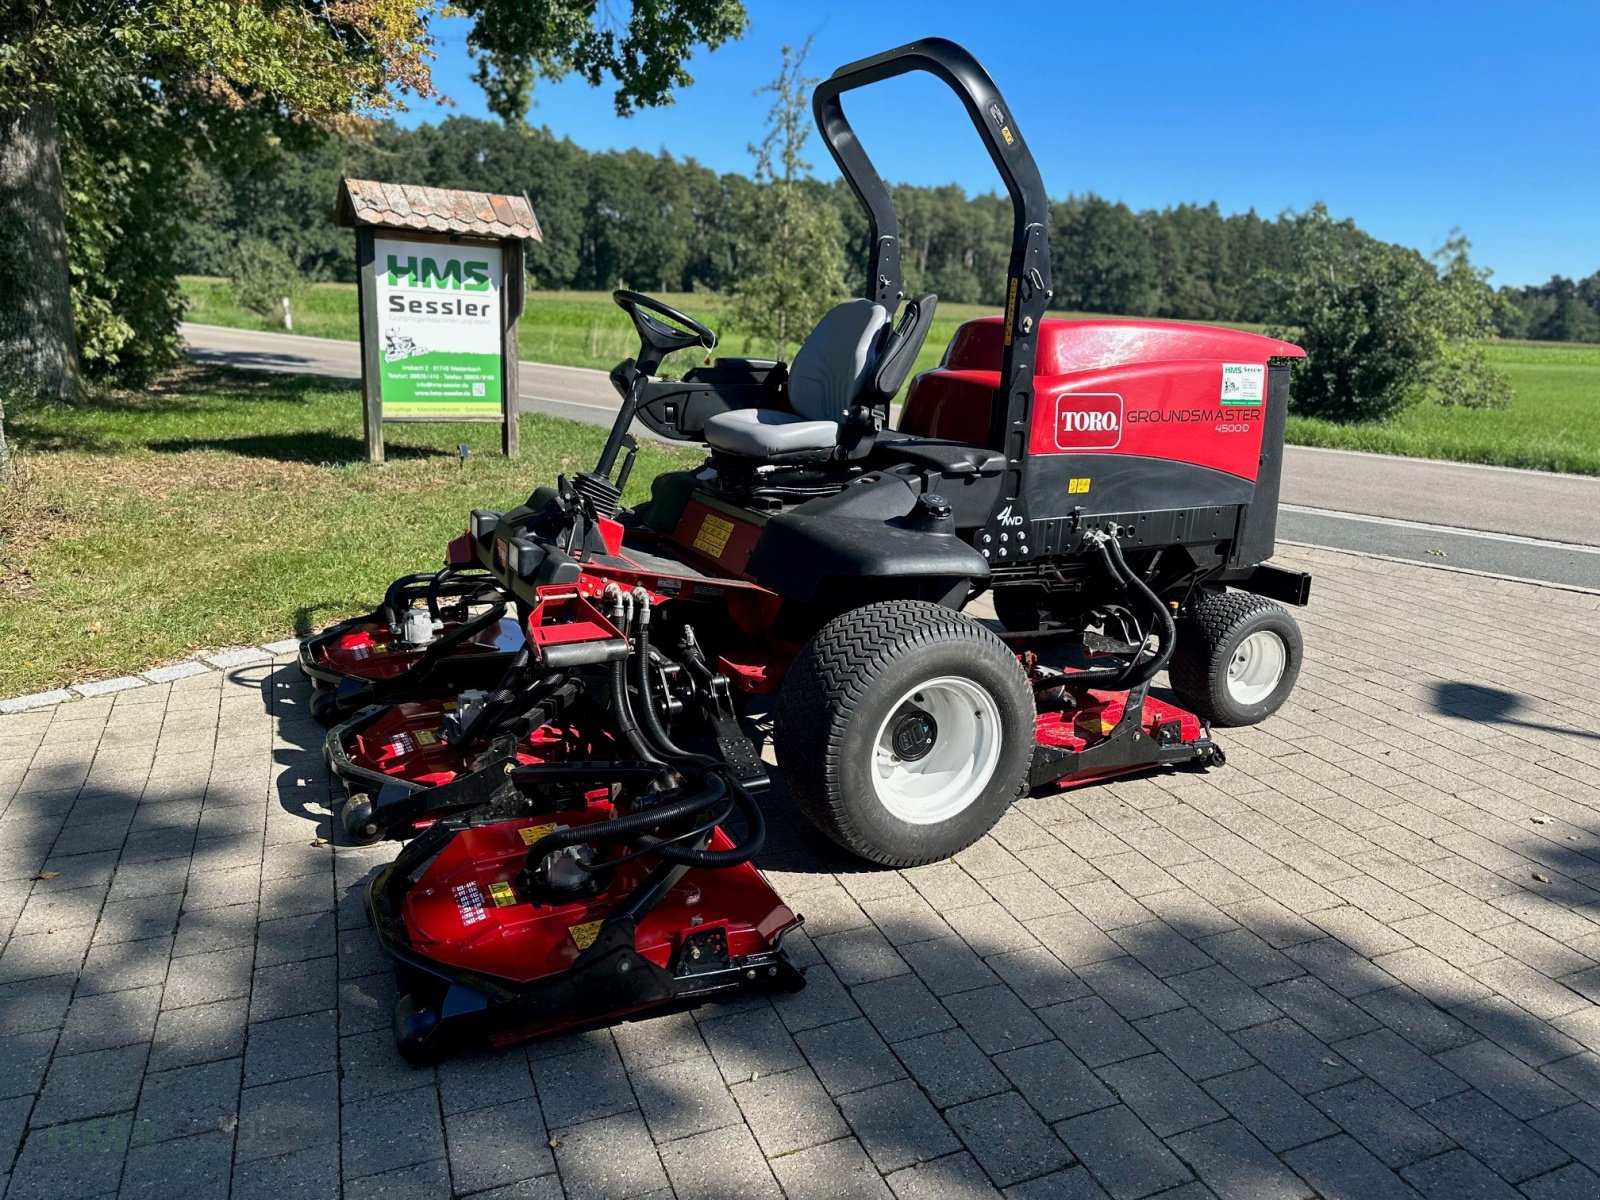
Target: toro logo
[{"x": 1086, "y": 421}]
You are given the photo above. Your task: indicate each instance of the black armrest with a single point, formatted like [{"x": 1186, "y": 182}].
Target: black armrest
[{"x": 900, "y": 352}]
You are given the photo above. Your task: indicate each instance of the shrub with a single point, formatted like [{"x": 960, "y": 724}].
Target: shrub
[
  {"x": 1383, "y": 327},
  {"x": 262, "y": 276}
]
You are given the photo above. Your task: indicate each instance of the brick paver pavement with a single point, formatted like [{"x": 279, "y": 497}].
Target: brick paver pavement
[{"x": 1361, "y": 961}]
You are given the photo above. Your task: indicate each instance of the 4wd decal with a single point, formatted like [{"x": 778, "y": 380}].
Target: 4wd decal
[{"x": 1088, "y": 421}]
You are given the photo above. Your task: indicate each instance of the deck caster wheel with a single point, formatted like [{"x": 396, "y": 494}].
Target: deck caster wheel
[
  {"x": 1237, "y": 658},
  {"x": 905, "y": 731},
  {"x": 356, "y": 818},
  {"x": 414, "y": 1030}
]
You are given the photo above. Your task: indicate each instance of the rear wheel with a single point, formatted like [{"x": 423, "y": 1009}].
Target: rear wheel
[
  {"x": 1237, "y": 658},
  {"x": 904, "y": 731}
]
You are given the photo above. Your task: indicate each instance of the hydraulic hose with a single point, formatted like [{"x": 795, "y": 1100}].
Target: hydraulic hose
[
  {"x": 620, "y": 829},
  {"x": 649, "y": 719},
  {"x": 1131, "y": 674},
  {"x": 743, "y": 852}
]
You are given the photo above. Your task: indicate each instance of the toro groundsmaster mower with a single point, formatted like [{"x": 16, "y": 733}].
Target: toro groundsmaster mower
[{"x": 566, "y": 736}]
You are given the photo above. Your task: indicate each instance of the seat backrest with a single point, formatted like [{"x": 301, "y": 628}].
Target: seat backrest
[{"x": 831, "y": 368}]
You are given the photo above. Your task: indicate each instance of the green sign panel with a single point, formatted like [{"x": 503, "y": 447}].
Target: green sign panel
[{"x": 439, "y": 327}]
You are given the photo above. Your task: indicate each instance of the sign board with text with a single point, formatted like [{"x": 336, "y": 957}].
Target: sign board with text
[{"x": 440, "y": 321}]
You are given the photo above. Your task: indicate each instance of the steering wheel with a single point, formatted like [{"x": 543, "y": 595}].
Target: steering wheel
[{"x": 658, "y": 338}]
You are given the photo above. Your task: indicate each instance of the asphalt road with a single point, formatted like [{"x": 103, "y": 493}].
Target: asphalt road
[{"x": 1526, "y": 524}]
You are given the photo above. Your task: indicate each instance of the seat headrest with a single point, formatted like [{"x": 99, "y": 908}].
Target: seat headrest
[
  {"x": 901, "y": 350},
  {"x": 830, "y": 369}
]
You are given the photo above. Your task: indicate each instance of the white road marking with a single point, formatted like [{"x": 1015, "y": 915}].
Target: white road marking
[{"x": 1452, "y": 530}]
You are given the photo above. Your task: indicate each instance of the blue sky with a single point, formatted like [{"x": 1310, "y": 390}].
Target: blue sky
[{"x": 1413, "y": 118}]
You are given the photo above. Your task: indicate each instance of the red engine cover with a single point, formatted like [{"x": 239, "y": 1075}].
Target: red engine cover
[{"x": 1156, "y": 389}]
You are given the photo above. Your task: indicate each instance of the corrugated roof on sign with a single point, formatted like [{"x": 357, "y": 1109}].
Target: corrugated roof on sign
[{"x": 439, "y": 210}]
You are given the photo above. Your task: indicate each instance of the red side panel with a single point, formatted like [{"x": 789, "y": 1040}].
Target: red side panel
[{"x": 1153, "y": 389}]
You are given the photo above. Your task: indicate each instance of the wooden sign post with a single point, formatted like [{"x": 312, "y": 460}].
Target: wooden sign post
[{"x": 441, "y": 288}]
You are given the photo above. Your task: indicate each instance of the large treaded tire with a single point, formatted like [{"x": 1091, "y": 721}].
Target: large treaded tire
[
  {"x": 843, "y": 687},
  {"x": 1209, "y": 634}
]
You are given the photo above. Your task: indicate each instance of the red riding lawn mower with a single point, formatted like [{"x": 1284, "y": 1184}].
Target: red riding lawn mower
[{"x": 556, "y": 721}]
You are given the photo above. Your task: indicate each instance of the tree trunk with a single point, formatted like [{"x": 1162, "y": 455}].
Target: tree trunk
[{"x": 38, "y": 350}]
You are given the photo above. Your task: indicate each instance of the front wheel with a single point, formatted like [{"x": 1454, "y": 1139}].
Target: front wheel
[
  {"x": 1237, "y": 658},
  {"x": 904, "y": 731}
]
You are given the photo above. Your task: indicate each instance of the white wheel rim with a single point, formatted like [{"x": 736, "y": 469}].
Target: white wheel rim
[
  {"x": 1257, "y": 667},
  {"x": 945, "y": 777}
]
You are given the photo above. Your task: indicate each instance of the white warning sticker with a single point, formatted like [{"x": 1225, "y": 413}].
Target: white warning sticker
[
  {"x": 469, "y": 903},
  {"x": 1244, "y": 383}
]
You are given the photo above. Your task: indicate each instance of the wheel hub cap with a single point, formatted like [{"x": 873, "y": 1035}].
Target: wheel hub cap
[
  {"x": 914, "y": 735},
  {"x": 937, "y": 750},
  {"x": 1257, "y": 667}
]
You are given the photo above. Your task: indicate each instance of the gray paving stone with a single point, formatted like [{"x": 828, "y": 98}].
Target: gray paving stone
[
  {"x": 1572, "y": 1182},
  {"x": 950, "y": 1068},
  {"x": 290, "y": 1047},
  {"x": 498, "y": 1144},
  {"x": 1007, "y": 1138},
  {"x": 996, "y": 1019},
  {"x": 123, "y": 966},
  {"x": 1125, "y": 1158},
  {"x": 1199, "y": 1048},
  {"x": 788, "y": 1112},
  {"x": 1497, "y": 1139},
  {"x": 189, "y": 1101},
  {"x": 608, "y": 1158},
  {"x": 1457, "y": 1176},
  {"x": 108, "y": 1020},
  {"x": 897, "y": 1125},
  {"x": 24, "y": 1058},
  {"x": 1076, "y": 1183},
  {"x": 1269, "y": 1108},
  {"x": 196, "y": 1168},
  {"x": 849, "y": 1056},
  {"x": 861, "y": 955},
  {"x": 1303, "y": 1062},
  {"x": 1225, "y": 999},
  {"x": 948, "y": 965},
  {"x": 97, "y": 1084},
  {"x": 682, "y": 1099},
  {"x": 81, "y": 1159},
  {"x": 829, "y": 1172},
  {"x": 1415, "y": 1018},
  {"x": 663, "y": 1039},
  {"x": 1505, "y": 1079},
  {"x": 206, "y": 978},
  {"x": 201, "y": 1033},
  {"x": 419, "y": 1181},
  {"x": 1162, "y": 1096},
  {"x": 1054, "y": 1081},
  {"x": 721, "y": 1163},
  {"x": 1340, "y": 1168},
  {"x": 1381, "y": 1123},
  {"x": 751, "y": 1043},
  {"x": 1038, "y": 977},
  {"x": 283, "y": 1119},
  {"x": 953, "y": 1177},
  {"x": 901, "y": 1007},
  {"x": 1129, "y": 987},
  {"x": 1094, "y": 1031},
  {"x": 1319, "y": 1009},
  {"x": 289, "y": 989},
  {"x": 1236, "y": 1166},
  {"x": 577, "y": 1087},
  {"x": 484, "y": 1079},
  {"x": 823, "y": 1001},
  {"x": 388, "y": 1132}
]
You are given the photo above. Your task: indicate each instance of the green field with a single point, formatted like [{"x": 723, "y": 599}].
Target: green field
[
  {"x": 224, "y": 508},
  {"x": 1553, "y": 423}
]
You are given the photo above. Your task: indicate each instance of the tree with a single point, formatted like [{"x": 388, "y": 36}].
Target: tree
[
  {"x": 793, "y": 269},
  {"x": 224, "y": 81},
  {"x": 1102, "y": 258},
  {"x": 1383, "y": 327}
]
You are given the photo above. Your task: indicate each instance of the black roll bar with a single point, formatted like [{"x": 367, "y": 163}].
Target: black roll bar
[{"x": 1028, "y": 289}]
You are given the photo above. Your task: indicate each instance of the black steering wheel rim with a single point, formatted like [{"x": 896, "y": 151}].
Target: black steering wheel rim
[{"x": 640, "y": 308}]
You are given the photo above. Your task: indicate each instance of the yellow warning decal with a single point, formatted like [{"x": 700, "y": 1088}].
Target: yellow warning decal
[
  {"x": 425, "y": 737},
  {"x": 379, "y": 648},
  {"x": 1077, "y": 487},
  {"x": 532, "y": 833},
  {"x": 1011, "y": 309},
  {"x": 502, "y": 895},
  {"x": 583, "y": 935},
  {"x": 713, "y": 536},
  {"x": 1096, "y": 724}
]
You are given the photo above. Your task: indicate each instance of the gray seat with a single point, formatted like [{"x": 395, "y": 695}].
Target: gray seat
[{"x": 827, "y": 376}]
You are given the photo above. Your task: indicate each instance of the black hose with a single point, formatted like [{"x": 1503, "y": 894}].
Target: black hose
[
  {"x": 648, "y": 717},
  {"x": 742, "y": 853},
  {"x": 1130, "y": 674},
  {"x": 622, "y": 710},
  {"x": 625, "y": 828}
]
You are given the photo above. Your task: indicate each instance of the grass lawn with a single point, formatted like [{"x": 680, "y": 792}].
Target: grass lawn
[
  {"x": 226, "y": 508},
  {"x": 1553, "y": 424}
]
